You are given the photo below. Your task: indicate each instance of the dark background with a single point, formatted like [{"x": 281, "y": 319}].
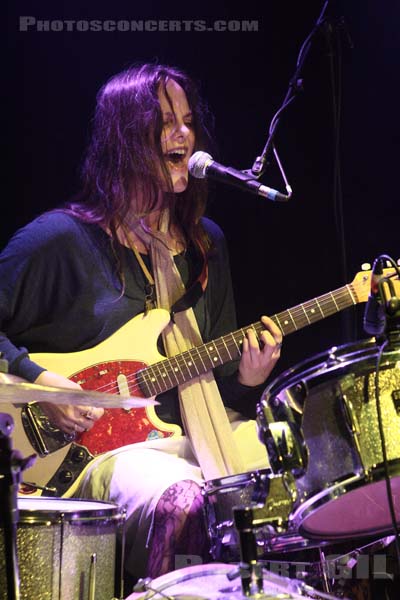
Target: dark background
[{"x": 281, "y": 254}]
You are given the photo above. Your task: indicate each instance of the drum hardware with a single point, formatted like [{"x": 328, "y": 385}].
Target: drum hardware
[
  {"x": 247, "y": 518},
  {"x": 211, "y": 582},
  {"x": 11, "y": 467},
  {"x": 92, "y": 577},
  {"x": 284, "y": 442},
  {"x": 246, "y": 489},
  {"x": 145, "y": 585}
]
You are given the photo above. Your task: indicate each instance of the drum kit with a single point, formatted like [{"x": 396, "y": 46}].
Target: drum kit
[
  {"x": 325, "y": 497},
  {"x": 330, "y": 426},
  {"x": 53, "y": 548}
]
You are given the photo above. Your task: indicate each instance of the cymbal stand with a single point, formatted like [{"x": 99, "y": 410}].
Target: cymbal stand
[{"x": 11, "y": 467}]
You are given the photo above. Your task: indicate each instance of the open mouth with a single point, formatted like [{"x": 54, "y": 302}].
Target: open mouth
[{"x": 176, "y": 156}]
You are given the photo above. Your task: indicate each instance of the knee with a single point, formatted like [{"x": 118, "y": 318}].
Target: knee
[{"x": 183, "y": 499}]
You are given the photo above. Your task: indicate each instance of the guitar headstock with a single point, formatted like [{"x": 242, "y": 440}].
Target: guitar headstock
[{"x": 361, "y": 284}]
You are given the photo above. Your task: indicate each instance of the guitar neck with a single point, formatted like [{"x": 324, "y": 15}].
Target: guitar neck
[{"x": 166, "y": 374}]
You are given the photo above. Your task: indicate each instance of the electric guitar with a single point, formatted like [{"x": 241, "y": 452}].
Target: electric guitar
[{"x": 128, "y": 363}]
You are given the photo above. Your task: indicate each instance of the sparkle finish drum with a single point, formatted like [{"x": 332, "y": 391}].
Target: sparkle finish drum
[
  {"x": 246, "y": 489},
  {"x": 67, "y": 549},
  {"x": 320, "y": 420}
]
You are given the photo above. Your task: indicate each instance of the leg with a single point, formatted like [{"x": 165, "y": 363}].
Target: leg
[{"x": 179, "y": 527}]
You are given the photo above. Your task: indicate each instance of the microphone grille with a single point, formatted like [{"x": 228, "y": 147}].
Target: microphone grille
[{"x": 198, "y": 164}]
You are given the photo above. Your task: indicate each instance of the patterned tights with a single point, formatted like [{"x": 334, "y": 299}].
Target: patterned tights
[{"x": 179, "y": 528}]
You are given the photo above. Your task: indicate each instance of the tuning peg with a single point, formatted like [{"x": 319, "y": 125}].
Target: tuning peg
[{"x": 365, "y": 267}]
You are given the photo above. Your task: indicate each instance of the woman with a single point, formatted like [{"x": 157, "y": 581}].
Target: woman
[{"x": 134, "y": 239}]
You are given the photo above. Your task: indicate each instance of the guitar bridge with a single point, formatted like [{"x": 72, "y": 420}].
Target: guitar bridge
[{"x": 43, "y": 436}]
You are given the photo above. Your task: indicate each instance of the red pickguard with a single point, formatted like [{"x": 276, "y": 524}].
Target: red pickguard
[{"x": 118, "y": 426}]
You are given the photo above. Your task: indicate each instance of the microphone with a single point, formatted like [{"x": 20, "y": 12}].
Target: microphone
[
  {"x": 374, "y": 314},
  {"x": 202, "y": 165}
]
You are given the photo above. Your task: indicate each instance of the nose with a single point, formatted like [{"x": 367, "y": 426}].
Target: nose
[{"x": 182, "y": 130}]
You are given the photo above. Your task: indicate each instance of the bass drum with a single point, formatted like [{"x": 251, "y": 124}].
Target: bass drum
[
  {"x": 326, "y": 408},
  {"x": 214, "y": 582},
  {"x": 66, "y": 549}
]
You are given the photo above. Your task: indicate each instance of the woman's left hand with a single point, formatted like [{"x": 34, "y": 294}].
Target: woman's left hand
[{"x": 257, "y": 362}]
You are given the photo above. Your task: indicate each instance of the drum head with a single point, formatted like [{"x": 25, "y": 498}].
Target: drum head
[
  {"x": 39, "y": 508},
  {"x": 349, "y": 508},
  {"x": 210, "y": 582}
]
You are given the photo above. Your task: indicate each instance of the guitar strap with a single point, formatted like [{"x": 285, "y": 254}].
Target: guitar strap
[
  {"x": 202, "y": 410},
  {"x": 190, "y": 297}
]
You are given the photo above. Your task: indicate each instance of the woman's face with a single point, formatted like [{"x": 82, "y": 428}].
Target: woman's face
[{"x": 177, "y": 137}]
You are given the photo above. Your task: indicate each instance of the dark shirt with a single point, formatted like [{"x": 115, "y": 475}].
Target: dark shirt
[{"x": 60, "y": 292}]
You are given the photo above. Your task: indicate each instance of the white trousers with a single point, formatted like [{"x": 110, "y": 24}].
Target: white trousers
[{"x": 134, "y": 477}]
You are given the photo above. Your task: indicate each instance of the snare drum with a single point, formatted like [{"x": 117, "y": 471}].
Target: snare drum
[
  {"x": 65, "y": 547},
  {"x": 246, "y": 489},
  {"x": 330, "y": 399}
]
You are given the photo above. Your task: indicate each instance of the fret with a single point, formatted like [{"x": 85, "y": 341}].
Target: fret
[
  {"x": 304, "y": 311},
  {"x": 320, "y": 308},
  {"x": 345, "y": 298},
  {"x": 204, "y": 369},
  {"x": 162, "y": 374},
  {"x": 333, "y": 298},
  {"x": 167, "y": 367},
  {"x": 178, "y": 369},
  {"x": 141, "y": 380},
  {"x": 193, "y": 361},
  {"x": 286, "y": 323},
  {"x": 207, "y": 358},
  {"x": 312, "y": 305},
  {"x": 234, "y": 335},
  {"x": 221, "y": 362},
  {"x": 211, "y": 350},
  {"x": 350, "y": 290},
  {"x": 155, "y": 378},
  {"x": 151, "y": 381},
  {"x": 227, "y": 349},
  {"x": 175, "y": 369},
  {"x": 183, "y": 363},
  {"x": 275, "y": 318}
]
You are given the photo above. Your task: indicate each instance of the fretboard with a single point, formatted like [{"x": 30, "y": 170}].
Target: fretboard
[{"x": 166, "y": 374}]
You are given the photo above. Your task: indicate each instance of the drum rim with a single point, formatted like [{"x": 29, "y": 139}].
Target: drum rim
[
  {"x": 192, "y": 572},
  {"x": 239, "y": 478},
  {"x": 345, "y": 485},
  {"x": 40, "y": 515},
  {"x": 363, "y": 349}
]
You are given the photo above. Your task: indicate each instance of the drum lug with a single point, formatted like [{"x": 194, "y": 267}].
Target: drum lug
[{"x": 286, "y": 449}]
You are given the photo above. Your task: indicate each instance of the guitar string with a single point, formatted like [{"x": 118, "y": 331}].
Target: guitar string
[
  {"x": 331, "y": 300},
  {"x": 216, "y": 345}
]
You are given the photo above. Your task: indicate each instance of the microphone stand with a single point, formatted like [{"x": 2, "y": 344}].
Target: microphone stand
[{"x": 295, "y": 86}]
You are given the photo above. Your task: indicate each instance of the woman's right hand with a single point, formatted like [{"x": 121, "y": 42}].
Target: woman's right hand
[{"x": 69, "y": 418}]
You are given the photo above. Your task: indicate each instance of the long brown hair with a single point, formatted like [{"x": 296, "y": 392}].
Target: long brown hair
[{"x": 124, "y": 155}]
